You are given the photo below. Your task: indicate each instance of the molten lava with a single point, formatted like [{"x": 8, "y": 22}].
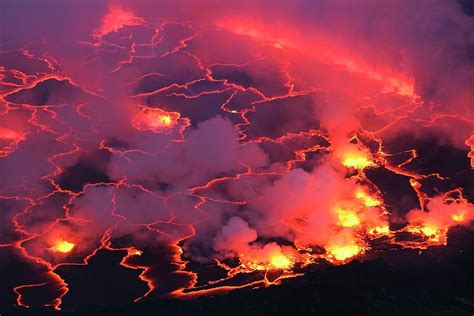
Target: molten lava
[
  {"x": 379, "y": 230},
  {"x": 344, "y": 252},
  {"x": 280, "y": 261},
  {"x": 347, "y": 218},
  {"x": 357, "y": 159},
  {"x": 63, "y": 246},
  {"x": 368, "y": 200},
  {"x": 240, "y": 167},
  {"x": 155, "y": 120},
  {"x": 137, "y": 252},
  {"x": 459, "y": 217}
]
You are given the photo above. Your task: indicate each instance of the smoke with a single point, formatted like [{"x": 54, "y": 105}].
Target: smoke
[
  {"x": 209, "y": 150},
  {"x": 441, "y": 213}
]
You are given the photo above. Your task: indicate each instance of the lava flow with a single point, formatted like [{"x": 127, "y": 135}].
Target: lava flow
[{"x": 149, "y": 152}]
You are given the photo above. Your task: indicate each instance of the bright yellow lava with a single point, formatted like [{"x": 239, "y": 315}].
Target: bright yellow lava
[
  {"x": 155, "y": 120},
  {"x": 63, "y": 246},
  {"x": 342, "y": 253},
  {"x": 357, "y": 162},
  {"x": 159, "y": 120},
  {"x": 428, "y": 230},
  {"x": 458, "y": 217},
  {"x": 379, "y": 230},
  {"x": 367, "y": 199},
  {"x": 347, "y": 218},
  {"x": 280, "y": 261},
  {"x": 137, "y": 252},
  {"x": 432, "y": 232},
  {"x": 166, "y": 120}
]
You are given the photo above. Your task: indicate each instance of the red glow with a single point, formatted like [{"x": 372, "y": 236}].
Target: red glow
[
  {"x": 257, "y": 149},
  {"x": 116, "y": 19}
]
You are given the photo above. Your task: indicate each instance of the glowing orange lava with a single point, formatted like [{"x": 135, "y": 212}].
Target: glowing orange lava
[
  {"x": 347, "y": 218},
  {"x": 280, "y": 261},
  {"x": 344, "y": 252},
  {"x": 458, "y": 217},
  {"x": 296, "y": 192},
  {"x": 356, "y": 160},
  {"x": 379, "y": 230},
  {"x": 429, "y": 231},
  {"x": 434, "y": 234},
  {"x": 63, "y": 246},
  {"x": 368, "y": 200},
  {"x": 155, "y": 120},
  {"x": 136, "y": 252}
]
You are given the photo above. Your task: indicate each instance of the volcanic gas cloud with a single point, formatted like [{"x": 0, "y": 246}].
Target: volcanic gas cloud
[{"x": 194, "y": 148}]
